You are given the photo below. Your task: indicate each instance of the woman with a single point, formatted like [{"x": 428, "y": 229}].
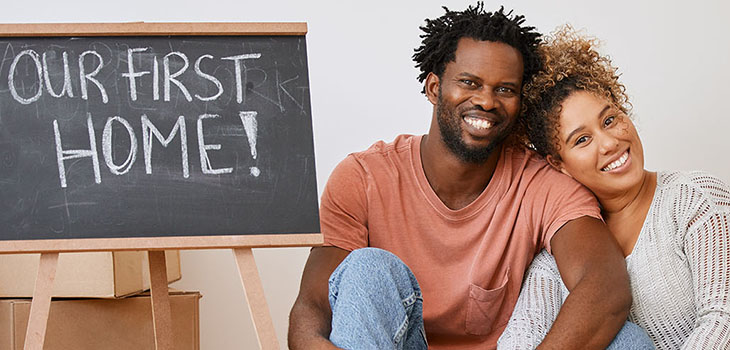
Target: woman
[{"x": 673, "y": 227}]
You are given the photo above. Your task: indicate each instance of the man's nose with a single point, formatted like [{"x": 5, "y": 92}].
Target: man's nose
[{"x": 484, "y": 98}]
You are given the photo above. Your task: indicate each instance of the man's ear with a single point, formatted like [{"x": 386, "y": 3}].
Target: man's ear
[
  {"x": 431, "y": 86},
  {"x": 557, "y": 164}
]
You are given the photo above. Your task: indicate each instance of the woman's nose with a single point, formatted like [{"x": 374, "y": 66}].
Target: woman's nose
[{"x": 608, "y": 143}]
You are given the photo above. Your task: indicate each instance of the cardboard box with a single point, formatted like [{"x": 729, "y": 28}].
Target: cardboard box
[
  {"x": 81, "y": 275},
  {"x": 108, "y": 324}
]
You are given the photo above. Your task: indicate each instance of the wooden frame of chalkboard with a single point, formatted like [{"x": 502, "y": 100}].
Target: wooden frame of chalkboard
[
  {"x": 288, "y": 229},
  {"x": 152, "y": 241}
]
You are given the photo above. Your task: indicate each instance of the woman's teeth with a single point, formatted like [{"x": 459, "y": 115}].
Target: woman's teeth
[
  {"x": 617, "y": 163},
  {"x": 478, "y": 123}
]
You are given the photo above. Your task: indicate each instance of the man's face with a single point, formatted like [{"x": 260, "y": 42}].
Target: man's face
[{"x": 478, "y": 98}]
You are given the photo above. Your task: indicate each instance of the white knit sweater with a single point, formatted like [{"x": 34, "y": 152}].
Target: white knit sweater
[{"x": 679, "y": 270}]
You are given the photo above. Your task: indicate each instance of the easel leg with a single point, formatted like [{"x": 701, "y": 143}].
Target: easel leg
[
  {"x": 256, "y": 299},
  {"x": 161, "y": 314},
  {"x": 41, "y": 305}
]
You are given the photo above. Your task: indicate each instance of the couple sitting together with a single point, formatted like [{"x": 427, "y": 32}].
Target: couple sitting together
[{"x": 523, "y": 219}]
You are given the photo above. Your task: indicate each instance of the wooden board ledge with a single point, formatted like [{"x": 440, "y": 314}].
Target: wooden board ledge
[{"x": 151, "y": 29}]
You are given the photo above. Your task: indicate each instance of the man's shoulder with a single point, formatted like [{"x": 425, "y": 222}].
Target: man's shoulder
[
  {"x": 382, "y": 148},
  {"x": 375, "y": 160},
  {"x": 526, "y": 162},
  {"x": 383, "y": 154},
  {"x": 532, "y": 172}
]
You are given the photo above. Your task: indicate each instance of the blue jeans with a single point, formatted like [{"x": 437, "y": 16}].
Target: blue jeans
[{"x": 377, "y": 304}]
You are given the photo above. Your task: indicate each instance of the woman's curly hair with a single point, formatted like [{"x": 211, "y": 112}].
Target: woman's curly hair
[{"x": 570, "y": 63}]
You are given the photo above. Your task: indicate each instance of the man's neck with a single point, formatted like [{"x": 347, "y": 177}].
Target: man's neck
[{"x": 455, "y": 182}]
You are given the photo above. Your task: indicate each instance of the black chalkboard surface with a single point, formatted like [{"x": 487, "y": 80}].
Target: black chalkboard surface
[{"x": 159, "y": 136}]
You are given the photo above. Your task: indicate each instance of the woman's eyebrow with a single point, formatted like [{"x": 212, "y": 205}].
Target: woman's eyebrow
[
  {"x": 607, "y": 107},
  {"x": 577, "y": 130}
]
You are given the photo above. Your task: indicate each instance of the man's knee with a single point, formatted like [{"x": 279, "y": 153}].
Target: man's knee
[
  {"x": 631, "y": 337},
  {"x": 366, "y": 263},
  {"x": 373, "y": 268}
]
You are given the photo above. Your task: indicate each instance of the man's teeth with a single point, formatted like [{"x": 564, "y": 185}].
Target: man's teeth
[
  {"x": 478, "y": 123},
  {"x": 617, "y": 163}
]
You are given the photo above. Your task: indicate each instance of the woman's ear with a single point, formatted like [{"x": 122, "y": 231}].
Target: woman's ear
[
  {"x": 557, "y": 164},
  {"x": 431, "y": 86}
]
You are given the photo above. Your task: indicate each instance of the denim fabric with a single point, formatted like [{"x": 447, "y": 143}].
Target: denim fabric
[
  {"x": 631, "y": 337},
  {"x": 376, "y": 303}
]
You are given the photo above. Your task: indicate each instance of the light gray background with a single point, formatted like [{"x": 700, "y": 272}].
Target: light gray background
[{"x": 673, "y": 55}]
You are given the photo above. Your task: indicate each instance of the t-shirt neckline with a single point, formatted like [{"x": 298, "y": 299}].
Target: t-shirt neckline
[{"x": 488, "y": 195}]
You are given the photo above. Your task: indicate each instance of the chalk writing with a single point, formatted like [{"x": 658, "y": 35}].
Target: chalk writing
[
  {"x": 88, "y": 74},
  {"x": 145, "y": 135},
  {"x": 248, "y": 121}
]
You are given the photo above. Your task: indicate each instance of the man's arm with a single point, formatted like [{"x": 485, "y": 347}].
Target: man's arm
[
  {"x": 594, "y": 270},
  {"x": 311, "y": 317}
]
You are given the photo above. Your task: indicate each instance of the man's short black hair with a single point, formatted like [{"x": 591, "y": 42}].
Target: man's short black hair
[{"x": 442, "y": 36}]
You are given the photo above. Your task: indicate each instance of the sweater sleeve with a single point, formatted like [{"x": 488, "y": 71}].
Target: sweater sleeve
[
  {"x": 541, "y": 297},
  {"x": 707, "y": 246}
]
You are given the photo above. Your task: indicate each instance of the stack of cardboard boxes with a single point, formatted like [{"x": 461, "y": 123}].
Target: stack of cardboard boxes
[{"x": 99, "y": 302}]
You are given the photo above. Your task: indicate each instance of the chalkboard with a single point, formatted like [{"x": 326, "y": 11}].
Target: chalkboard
[{"x": 125, "y": 136}]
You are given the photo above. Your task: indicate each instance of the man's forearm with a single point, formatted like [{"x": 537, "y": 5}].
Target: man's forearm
[
  {"x": 308, "y": 327},
  {"x": 593, "y": 268},
  {"x": 590, "y": 317},
  {"x": 310, "y": 320}
]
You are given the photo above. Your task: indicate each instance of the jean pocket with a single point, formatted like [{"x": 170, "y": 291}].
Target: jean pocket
[{"x": 484, "y": 306}]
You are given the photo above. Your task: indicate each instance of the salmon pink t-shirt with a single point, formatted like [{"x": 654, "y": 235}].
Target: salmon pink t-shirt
[{"x": 468, "y": 262}]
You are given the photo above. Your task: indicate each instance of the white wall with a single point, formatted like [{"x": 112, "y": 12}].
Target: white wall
[{"x": 674, "y": 57}]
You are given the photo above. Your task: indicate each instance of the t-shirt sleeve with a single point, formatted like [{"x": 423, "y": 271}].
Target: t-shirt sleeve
[
  {"x": 558, "y": 200},
  {"x": 343, "y": 208}
]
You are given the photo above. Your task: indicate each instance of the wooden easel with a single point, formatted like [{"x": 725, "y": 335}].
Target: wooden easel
[
  {"x": 161, "y": 314},
  {"x": 240, "y": 244}
]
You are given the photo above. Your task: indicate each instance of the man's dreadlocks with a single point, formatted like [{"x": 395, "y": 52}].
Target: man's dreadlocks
[{"x": 442, "y": 36}]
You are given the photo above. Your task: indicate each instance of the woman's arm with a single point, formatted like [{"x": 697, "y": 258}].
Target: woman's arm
[
  {"x": 540, "y": 300},
  {"x": 707, "y": 245}
]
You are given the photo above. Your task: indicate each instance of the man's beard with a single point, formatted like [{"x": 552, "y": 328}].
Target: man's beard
[{"x": 449, "y": 121}]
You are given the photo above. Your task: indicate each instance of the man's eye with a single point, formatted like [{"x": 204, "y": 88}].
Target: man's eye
[
  {"x": 468, "y": 82},
  {"x": 504, "y": 90},
  {"x": 609, "y": 121}
]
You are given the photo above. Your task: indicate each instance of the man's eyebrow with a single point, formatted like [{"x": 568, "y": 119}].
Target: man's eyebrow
[
  {"x": 580, "y": 128},
  {"x": 468, "y": 75}
]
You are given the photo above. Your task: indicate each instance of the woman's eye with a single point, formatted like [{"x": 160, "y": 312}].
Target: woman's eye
[
  {"x": 608, "y": 121},
  {"x": 581, "y": 140}
]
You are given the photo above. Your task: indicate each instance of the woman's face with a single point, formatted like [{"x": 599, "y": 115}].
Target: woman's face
[{"x": 599, "y": 145}]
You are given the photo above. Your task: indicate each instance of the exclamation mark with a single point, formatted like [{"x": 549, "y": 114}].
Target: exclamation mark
[{"x": 248, "y": 119}]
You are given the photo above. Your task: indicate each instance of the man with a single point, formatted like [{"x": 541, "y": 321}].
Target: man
[{"x": 462, "y": 210}]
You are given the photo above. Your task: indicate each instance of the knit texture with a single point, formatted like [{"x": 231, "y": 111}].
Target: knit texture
[{"x": 679, "y": 271}]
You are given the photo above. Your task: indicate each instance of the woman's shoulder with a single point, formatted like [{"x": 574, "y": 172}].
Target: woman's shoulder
[
  {"x": 696, "y": 180},
  {"x": 694, "y": 191}
]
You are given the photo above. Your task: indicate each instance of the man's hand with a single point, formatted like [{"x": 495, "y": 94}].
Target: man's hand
[
  {"x": 311, "y": 317},
  {"x": 594, "y": 270}
]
